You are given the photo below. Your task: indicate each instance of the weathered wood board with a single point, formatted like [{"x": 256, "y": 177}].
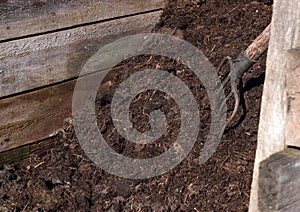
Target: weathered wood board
[
  {"x": 20, "y": 18},
  {"x": 17, "y": 155},
  {"x": 292, "y": 132},
  {"x": 42, "y": 51},
  {"x": 279, "y": 182},
  {"x": 273, "y": 133},
  {"x": 43, "y": 60},
  {"x": 34, "y": 116},
  {"x": 37, "y": 115}
]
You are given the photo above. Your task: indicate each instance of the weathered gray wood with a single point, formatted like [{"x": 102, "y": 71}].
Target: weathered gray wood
[
  {"x": 38, "y": 61},
  {"x": 291, "y": 208},
  {"x": 284, "y": 37},
  {"x": 21, "y": 18},
  {"x": 292, "y": 133},
  {"x": 279, "y": 182}
]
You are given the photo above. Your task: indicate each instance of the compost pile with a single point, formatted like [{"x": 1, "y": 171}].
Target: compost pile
[{"x": 63, "y": 178}]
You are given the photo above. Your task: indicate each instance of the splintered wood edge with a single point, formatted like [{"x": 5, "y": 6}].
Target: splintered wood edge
[{"x": 20, "y": 18}]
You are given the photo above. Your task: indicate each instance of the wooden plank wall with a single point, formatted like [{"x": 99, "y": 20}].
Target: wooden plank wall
[
  {"x": 19, "y": 18},
  {"x": 279, "y": 120},
  {"x": 42, "y": 60},
  {"x": 29, "y": 63},
  {"x": 44, "y": 45}
]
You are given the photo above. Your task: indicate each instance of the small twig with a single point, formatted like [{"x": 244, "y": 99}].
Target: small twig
[
  {"x": 25, "y": 206},
  {"x": 41, "y": 163}
]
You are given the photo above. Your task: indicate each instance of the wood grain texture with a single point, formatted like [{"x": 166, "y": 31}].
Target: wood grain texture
[
  {"x": 34, "y": 116},
  {"x": 292, "y": 135},
  {"x": 259, "y": 45},
  {"x": 22, "y": 18},
  {"x": 37, "y": 115},
  {"x": 279, "y": 182},
  {"x": 271, "y": 134},
  {"x": 42, "y": 60},
  {"x": 17, "y": 155}
]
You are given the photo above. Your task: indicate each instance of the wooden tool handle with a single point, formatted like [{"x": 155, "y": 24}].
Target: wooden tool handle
[{"x": 259, "y": 45}]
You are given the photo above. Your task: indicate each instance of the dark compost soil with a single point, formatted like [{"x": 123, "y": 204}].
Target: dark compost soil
[{"x": 63, "y": 178}]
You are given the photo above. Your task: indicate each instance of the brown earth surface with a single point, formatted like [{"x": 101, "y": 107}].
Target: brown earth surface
[{"x": 63, "y": 178}]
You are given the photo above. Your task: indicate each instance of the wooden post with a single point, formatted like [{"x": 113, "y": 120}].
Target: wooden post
[
  {"x": 279, "y": 111},
  {"x": 279, "y": 182},
  {"x": 292, "y": 133}
]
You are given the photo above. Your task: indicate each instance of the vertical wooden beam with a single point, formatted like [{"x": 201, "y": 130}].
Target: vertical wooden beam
[
  {"x": 292, "y": 135},
  {"x": 272, "y": 128}
]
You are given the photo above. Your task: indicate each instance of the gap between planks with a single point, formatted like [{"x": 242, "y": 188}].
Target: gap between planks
[
  {"x": 20, "y": 18},
  {"x": 35, "y": 62}
]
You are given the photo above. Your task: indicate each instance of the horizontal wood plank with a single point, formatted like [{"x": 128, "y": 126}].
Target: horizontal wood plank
[
  {"x": 22, "y": 18},
  {"x": 17, "y": 155},
  {"x": 42, "y": 60},
  {"x": 40, "y": 114},
  {"x": 34, "y": 116}
]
